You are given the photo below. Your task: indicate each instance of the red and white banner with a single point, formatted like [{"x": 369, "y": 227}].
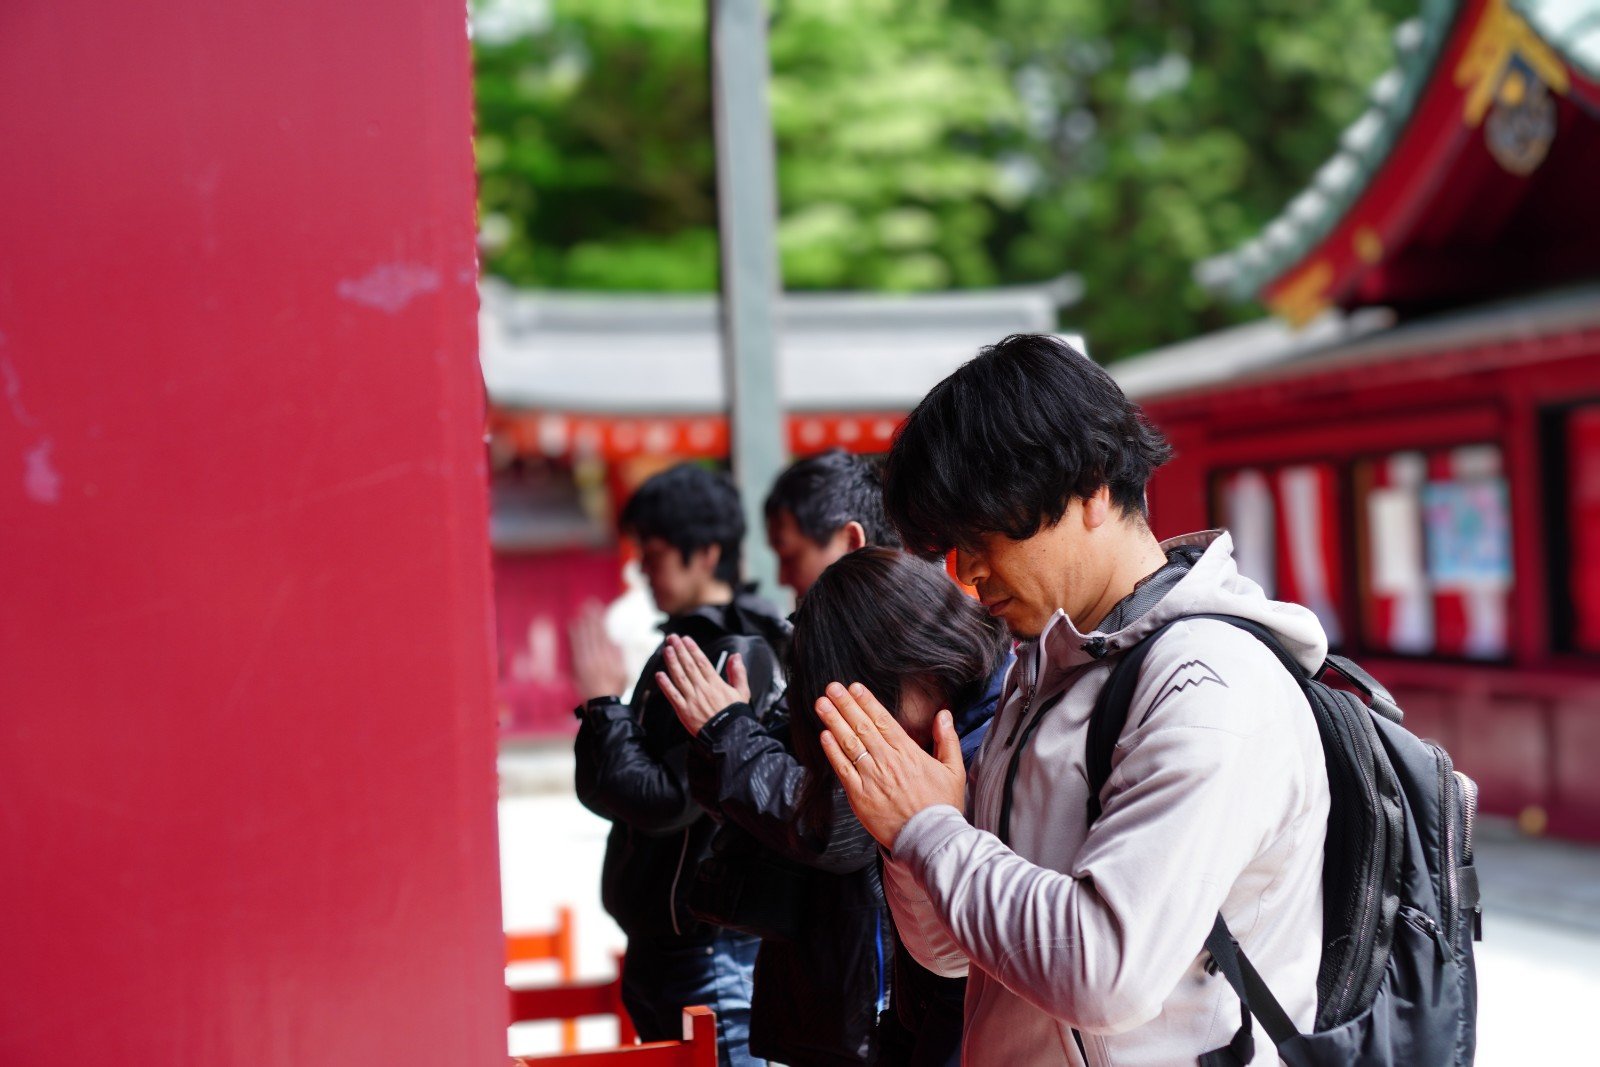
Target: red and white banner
[{"x": 1285, "y": 529}]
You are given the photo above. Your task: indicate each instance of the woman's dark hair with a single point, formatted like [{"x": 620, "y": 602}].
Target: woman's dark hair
[
  {"x": 886, "y": 620},
  {"x": 828, "y": 490},
  {"x": 1004, "y": 443},
  {"x": 690, "y": 508}
]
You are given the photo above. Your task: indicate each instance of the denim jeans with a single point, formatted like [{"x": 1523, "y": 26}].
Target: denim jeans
[{"x": 662, "y": 976}]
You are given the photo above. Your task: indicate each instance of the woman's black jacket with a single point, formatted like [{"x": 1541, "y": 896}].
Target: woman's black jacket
[
  {"x": 817, "y": 995},
  {"x": 927, "y": 1010}
]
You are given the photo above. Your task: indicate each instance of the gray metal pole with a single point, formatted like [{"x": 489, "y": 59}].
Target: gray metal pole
[{"x": 747, "y": 218}]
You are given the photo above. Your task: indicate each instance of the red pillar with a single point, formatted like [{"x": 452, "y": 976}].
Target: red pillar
[{"x": 246, "y": 738}]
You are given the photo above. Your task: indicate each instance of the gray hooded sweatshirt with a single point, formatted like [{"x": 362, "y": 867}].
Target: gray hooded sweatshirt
[{"x": 1217, "y": 801}]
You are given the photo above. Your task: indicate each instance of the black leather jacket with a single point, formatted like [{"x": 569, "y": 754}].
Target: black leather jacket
[
  {"x": 818, "y": 995},
  {"x": 631, "y": 769}
]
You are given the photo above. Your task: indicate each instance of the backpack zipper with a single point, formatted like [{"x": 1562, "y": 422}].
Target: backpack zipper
[
  {"x": 1369, "y": 893},
  {"x": 1450, "y": 808},
  {"x": 1422, "y": 922},
  {"x": 1467, "y": 791},
  {"x": 1469, "y": 812}
]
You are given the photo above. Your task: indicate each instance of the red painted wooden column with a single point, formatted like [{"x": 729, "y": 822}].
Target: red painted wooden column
[{"x": 246, "y": 739}]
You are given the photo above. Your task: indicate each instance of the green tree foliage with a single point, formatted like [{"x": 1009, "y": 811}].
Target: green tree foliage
[
  {"x": 594, "y": 151},
  {"x": 926, "y": 144},
  {"x": 1167, "y": 131},
  {"x": 596, "y": 154}
]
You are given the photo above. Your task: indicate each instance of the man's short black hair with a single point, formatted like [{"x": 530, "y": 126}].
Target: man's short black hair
[
  {"x": 1004, "y": 443},
  {"x": 690, "y": 508},
  {"x": 828, "y": 490}
]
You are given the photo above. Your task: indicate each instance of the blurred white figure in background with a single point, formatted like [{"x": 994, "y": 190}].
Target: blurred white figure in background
[
  {"x": 631, "y": 621},
  {"x": 611, "y": 645}
]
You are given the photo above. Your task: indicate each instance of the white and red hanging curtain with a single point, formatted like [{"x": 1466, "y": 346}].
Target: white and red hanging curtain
[{"x": 1285, "y": 527}]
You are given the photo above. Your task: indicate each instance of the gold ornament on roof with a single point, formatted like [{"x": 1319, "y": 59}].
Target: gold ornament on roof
[
  {"x": 1367, "y": 244},
  {"x": 1521, "y": 126},
  {"x": 1305, "y": 296},
  {"x": 1502, "y": 60}
]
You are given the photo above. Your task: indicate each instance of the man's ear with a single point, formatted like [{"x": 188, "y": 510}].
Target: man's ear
[
  {"x": 855, "y": 535},
  {"x": 1097, "y": 508},
  {"x": 706, "y": 559}
]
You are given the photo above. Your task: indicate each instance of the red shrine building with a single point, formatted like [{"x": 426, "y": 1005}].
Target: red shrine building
[{"x": 1412, "y": 447}]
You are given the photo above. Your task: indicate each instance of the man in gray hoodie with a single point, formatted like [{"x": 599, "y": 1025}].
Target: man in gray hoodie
[{"x": 1084, "y": 944}]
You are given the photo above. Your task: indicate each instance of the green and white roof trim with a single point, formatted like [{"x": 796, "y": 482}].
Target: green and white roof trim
[{"x": 1311, "y": 216}]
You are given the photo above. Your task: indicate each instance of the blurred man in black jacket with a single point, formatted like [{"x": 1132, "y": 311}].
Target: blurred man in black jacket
[
  {"x": 631, "y": 758},
  {"x": 821, "y": 508}
]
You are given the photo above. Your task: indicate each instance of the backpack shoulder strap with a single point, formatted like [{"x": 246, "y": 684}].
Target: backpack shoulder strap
[
  {"x": 1110, "y": 716},
  {"x": 1106, "y": 724},
  {"x": 1111, "y": 707},
  {"x": 1254, "y": 999}
]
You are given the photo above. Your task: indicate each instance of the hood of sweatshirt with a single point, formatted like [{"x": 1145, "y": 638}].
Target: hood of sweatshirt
[{"x": 1211, "y": 586}]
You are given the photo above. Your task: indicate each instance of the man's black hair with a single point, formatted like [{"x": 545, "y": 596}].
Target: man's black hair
[
  {"x": 828, "y": 490},
  {"x": 690, "y": 508},
  {"x": 1004, "y": 443}
]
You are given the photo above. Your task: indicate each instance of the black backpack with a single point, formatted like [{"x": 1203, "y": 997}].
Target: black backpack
[{"x": 1397, "y": 986}]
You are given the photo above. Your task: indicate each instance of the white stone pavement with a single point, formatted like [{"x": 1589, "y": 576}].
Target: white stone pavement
[{"x": 1538, "y": 967}]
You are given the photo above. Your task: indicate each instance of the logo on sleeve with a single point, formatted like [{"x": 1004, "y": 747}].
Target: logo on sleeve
[{"x": 1184, "y": 676}]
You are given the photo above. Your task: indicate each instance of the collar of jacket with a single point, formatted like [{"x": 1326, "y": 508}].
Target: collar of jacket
[
  {"x": 1054, "y": 657},
  {"x": 747, "y": 613}
]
